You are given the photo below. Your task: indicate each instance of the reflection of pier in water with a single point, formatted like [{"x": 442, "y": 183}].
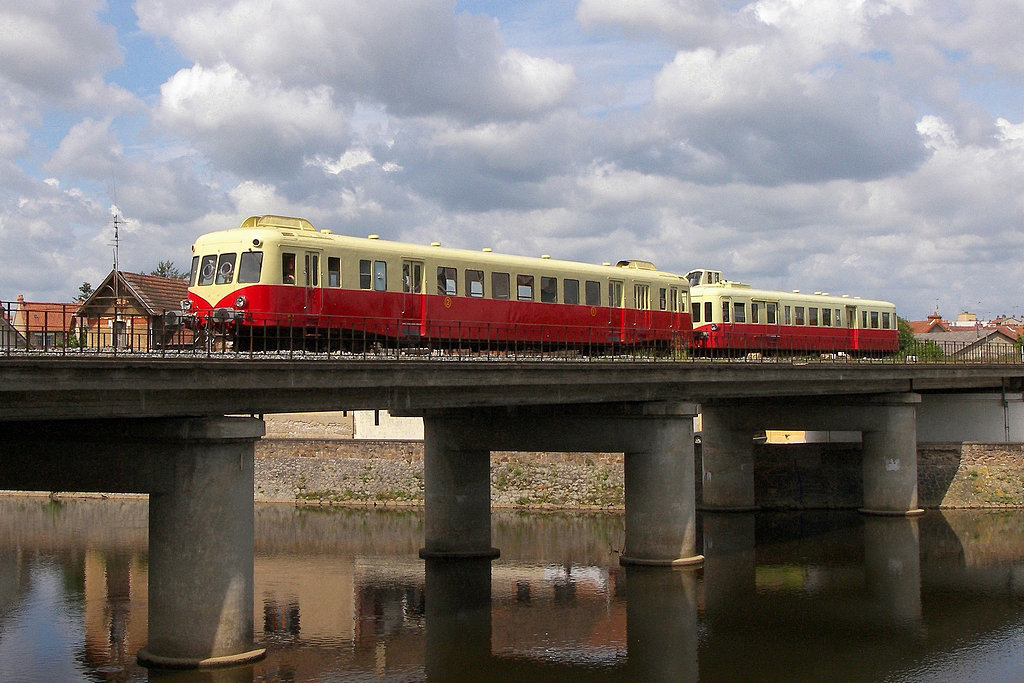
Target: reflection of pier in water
[{"x": 343, "y": 591}]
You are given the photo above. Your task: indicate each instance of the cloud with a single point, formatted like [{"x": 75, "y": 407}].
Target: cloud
[{"x": 416, "y": 57}]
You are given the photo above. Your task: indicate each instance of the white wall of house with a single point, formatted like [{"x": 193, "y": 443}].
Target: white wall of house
[{"x": 379, "y": 424}]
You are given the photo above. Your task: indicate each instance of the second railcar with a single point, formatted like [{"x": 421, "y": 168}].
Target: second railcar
[
  {"x": 732, "y": 317},
  {"x": 275, "y": 279}
]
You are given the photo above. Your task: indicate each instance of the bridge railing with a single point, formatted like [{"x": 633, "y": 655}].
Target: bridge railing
[{"x": 58, "y": 329}]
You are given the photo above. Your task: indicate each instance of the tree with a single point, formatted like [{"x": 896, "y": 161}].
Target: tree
[
  {"x": 167, "y": 269},
  {"x": 84, "y": 292}
]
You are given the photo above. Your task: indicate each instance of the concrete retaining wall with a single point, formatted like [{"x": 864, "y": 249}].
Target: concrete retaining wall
[{"x": 795, "y": 476}]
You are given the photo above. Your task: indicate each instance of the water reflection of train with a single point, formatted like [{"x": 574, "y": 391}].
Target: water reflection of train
[{"x": 277, "y": 282}]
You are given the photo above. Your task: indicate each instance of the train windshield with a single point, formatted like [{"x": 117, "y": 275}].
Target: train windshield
[{"x": 251, "y": 266}]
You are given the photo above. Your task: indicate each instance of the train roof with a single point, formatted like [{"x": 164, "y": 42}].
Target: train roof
[
  {"x": 731, "y": 288},
  {"x": 298, "y": 230}
]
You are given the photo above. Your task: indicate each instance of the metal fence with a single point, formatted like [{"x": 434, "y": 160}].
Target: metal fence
[{"x": 56, "y": 330}]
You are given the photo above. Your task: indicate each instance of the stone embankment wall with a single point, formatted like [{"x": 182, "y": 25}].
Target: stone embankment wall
[{"x": 340, "y": 471}]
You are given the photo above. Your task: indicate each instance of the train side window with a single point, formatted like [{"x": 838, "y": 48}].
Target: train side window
[
  {"x": 708, "y": 310},
  {"x": 837, "y": 318},
  {"x": 695, "y": 311},
  {"x": 380, "y": 276},
  {"x": 614, "y": 294},
  {"x": 475, "y": 283},
  {"x": 642, "y": 297},
  {"x": 193, "y": 272},
  {"x": 571, "y": 291},
  {"x": 333, "y": 271},
  {"x": 208, "y": 269},
  {"x": 365, "y": 274},
  {"x": 446, "y": 284},
  {"x": 863, "y": 320},
  {"x": 251, "y": 266},
  {"x": 755, "y": 313},
  {"x": 288, "y": 268},
  {"x": 593, "y": 293},
  {"x": 726, "y": 306},
  {"x": 812, "y": 316},
  {"x": 312, "y": 266},
  {"x": 886, "y": 322},
  {"x": 662, "y": 298},
  {"x": 549, "y": 290},
  {"x": 799, "y": 315},
  {"x": 826, "y": 317},
  {"x": 500, "y": 287},
  {"x": 524, "y": 287},
  {"x": 673, "y": 299},
  {"x": 874, "y": 320},
  {"x": 788, "y": 311},
  {"x": 412, "y": 277},
  {"x": 739, "y": 310},
  {"x": 772, "y": 313}
]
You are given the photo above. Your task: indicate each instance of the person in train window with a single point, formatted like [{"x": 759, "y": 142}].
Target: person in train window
[{"x": 288, "y": 268}]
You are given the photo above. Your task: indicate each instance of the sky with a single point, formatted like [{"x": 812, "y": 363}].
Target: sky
[{"x": 865, "y": 147}]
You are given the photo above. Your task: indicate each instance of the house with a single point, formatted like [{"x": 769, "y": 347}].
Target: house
[
  {"x": 44, "y": 325},
  {"x": 981, "y": 343},
  {"x": 127, "y": 311},
  {"x": 934, "y": 323},
  {"x": 10, "y": 336}
]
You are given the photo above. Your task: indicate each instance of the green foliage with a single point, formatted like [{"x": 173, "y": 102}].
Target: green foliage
[
  {"x": 167, "y": 269},
  {"x": 84, "y": 292},
  {"x": 912, "y": 347}
]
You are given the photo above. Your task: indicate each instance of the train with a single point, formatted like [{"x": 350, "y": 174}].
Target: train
[
  {"x": 733, "y": 316},
  {"x": 278, "y": 282}
]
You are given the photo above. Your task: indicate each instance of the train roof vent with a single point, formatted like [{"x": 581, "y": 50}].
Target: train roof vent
[
  {"x": 636, "y": 265},
  {"x": 278, "y": 222}
]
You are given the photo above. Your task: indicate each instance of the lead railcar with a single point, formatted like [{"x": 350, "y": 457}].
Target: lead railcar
[{"x": 278, "y": 282}]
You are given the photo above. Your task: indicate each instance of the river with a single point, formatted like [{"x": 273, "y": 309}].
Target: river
[{"x": 340, "y": 594}]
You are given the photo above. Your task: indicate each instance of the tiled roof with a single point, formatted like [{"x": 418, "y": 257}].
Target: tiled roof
[
  {"x": 157, "y": 294},
  {"x": 37, "y": 317}
]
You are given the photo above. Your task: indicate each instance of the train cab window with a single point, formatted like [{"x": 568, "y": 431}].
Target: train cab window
[
  {"x": 798, "y": 315},
  {"x": 549, "y": 289},
  {"x": 226, "y": 268},
  {"x": 755, "y": 313},
  {"x": 446, "y": 283},
  {"x": 288, "y": 268},
  {"x": 571, "y": 291},
  {"x": 812, "y": 316},
  {"x": 615, "y": 294},
  {"x": 708, "y": 309},
  {"x": 695, "y": 311},
  {"x": 250, "y": 267},
  {"x": 195, "y": 271},
  {"x": 771, "y": 313},
  {"x": 500, "y": 287},
  {"x": 208, "y": 269},
  {"x": 739, "y": 310},
  {"x": 475, "y": 283},
  {"x": 726, "y": 308},
  {"x": 826, "y": 317},
  {"x": 874, "y": 320},
  {"x": 524, "y": 287},
  {"x": 333, "y": 271},
  {"x": 886, "y": 321},
  {"x": 592, "y": 290}
]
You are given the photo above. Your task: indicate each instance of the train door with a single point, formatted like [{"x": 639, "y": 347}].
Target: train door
[
  {"x": 771, "y": 324},
  {"x": 311, "y": 276},
  {"x": 616, "y": 310},
  {"x": 414, "y": 322},
  {"x": 642, "y": 303}
]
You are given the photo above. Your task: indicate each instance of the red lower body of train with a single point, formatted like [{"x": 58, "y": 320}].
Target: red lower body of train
[
  {"x": 726, "y": 338},
  {"x": 270, "y": 317}
]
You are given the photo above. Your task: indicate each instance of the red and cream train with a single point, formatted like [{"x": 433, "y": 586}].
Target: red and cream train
[{"x": 277, "y": 282}]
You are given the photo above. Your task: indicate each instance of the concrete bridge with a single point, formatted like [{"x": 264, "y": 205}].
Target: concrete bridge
[{"x": 169, "y": 428}]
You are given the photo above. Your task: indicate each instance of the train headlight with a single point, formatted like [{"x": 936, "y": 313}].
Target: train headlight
[
  {"x": 241, "y": 302},
  {"x": 186, "y": 304}
]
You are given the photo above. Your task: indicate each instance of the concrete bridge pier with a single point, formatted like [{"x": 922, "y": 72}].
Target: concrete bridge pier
[
  {"x": 727, "y": 457},
  {"x": 889, "y": 458},
  {"x": 199, "y": 475},
  {"x": 655, "y": 438}
]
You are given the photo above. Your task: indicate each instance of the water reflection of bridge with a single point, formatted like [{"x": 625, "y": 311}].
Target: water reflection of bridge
[{"x": 349, "y": 582}]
